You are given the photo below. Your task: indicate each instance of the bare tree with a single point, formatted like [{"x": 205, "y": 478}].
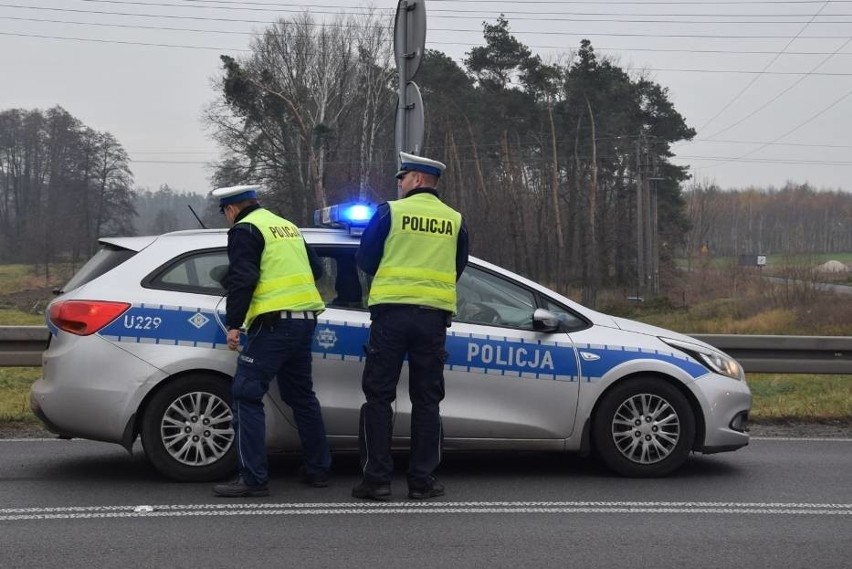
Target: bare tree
[{"x": 375, "y": 82}]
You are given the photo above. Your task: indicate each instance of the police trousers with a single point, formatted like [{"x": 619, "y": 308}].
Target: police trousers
[
  {"x": 277, "y": 348},
  {"x": 419, "y": 333}
]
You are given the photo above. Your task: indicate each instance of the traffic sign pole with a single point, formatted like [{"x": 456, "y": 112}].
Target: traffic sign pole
[{"x": 409, "y": 45}]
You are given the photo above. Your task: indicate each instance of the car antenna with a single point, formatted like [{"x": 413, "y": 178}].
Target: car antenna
[{"x": 201, "y": 223}]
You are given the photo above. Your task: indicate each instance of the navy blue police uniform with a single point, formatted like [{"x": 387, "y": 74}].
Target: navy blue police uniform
[
  {"x": 398, "y": 330},
  {"x": 278, "y": 346}
]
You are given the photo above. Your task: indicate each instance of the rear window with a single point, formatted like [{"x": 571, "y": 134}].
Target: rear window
[{"x": 105, "y": 260}]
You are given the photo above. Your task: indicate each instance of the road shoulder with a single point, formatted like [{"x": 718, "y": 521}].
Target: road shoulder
[{"x": 786, "y": 429}]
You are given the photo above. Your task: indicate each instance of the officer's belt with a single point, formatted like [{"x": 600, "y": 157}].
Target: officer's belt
[
  {"x": 377, "y": 309},
  {"x": 292, "y": 315}
]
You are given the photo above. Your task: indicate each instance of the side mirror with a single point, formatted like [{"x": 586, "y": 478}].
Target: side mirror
[{"x": 545, "y": 321}]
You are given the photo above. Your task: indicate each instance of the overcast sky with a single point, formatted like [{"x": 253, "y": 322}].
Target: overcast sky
[{"x": 767, "y": 84}]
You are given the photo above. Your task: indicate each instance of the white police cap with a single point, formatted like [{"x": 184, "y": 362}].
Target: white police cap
[
  {"x": 411, "y": 163},
  {"x": 235, "y": 194}
]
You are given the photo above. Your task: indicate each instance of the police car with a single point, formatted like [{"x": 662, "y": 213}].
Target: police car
[{"x": 138, "y": 349}]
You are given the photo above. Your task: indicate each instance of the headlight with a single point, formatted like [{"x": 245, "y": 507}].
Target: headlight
[{"x": 717, "y": 361}]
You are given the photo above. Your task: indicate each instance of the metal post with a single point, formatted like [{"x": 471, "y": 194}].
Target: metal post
[
  {"x": 402, "y": 73},
  {"x": 640, "y": 236}
]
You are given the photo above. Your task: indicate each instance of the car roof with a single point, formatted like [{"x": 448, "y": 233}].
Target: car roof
[
  {"x": 132, "y": 243},
  {"x": 202, "y": 238}
]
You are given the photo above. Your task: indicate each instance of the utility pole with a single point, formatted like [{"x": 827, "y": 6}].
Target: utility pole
[
  {"x": 647, "y": 225},
  {"x": 654, "y": 241},
  {"x": 653, "y": 222},
  {"x": 640, "y": 223}
]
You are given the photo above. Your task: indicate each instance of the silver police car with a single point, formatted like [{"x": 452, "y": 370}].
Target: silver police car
[{"x": 138, "y": 349}]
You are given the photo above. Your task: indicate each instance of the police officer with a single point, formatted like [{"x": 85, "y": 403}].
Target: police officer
[
  {"x": 270, "y": 286},
  {"x": 416, "y": 248}
]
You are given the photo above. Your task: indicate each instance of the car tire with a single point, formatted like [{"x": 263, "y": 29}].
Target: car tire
[
  {"x": 186, "y": 429},
  {"x": 643, "y": 428}
]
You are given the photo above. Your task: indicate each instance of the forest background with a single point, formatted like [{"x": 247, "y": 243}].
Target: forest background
[{"x": 561, "y": 169}]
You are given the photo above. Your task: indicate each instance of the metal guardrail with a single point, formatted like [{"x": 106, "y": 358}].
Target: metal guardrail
[
  {"x": 22, "y": 346},
  {"x": 786, "y": 354}
]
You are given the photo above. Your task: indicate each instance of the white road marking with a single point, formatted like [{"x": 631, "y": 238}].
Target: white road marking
[
  {"x": 400, "y": 508},
  {"x": 809, "y": 439},
  {"x": 786, "y": 439},
  {"x": 34, "y": 440}
]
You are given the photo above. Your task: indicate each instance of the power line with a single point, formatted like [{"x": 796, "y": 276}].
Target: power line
[
  {"x": 130, "y": 26},
  {"x": 544, "y": 19},
  {"x": 768, "y": 65},
  {"x": 255, "y": 34},
  {"x": 789, "y": 132},
  {"x": 634, "y": 2},
  {"x": 543, "y": 2},
  {"x": 146, "y": 44},
  {"x": 704, "y": 140},
  {"x": 538, "y": 32},
  {"x": 280, "y": 7},
  {"x": 515, "y": 15},
  {"x": 803, "y": 123},
  {"x": 739, "y": 71},
  {"x": 782, "y": 93},
  {"x": 728, "y": 159},
  {"x": 244, "y": 50}
]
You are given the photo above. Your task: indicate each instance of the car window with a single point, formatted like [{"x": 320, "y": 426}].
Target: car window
[
  {"x": 484, "y": 298},
  {"x": 570, "y": 321},
  {"x": 199, "y": 272},
  {"x": 343, "y": 284},
  {"x": 105, "y": 260}
]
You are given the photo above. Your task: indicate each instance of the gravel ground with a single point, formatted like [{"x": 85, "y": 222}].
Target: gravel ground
[{"x": 829, "y": 429}]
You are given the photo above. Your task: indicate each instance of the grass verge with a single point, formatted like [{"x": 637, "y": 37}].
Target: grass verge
[
  {"x": 809, "y": 398},
  {"x": 15, "y": 385},
  {"x": 14, "y": 317},
  {"x": 777, "y": 397}
]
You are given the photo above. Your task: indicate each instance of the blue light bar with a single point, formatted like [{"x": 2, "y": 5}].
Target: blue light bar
[
  {"x": 358, "y": 213},
  {"x": 352, "y": 216}
]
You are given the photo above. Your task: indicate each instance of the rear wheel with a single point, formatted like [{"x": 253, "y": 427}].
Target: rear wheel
[
  {"x": 186, "y": 429},
  {"x": 644, "y": 428}
]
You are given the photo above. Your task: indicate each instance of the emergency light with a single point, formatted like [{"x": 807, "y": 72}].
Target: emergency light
[{"x": 351, "y": 216}]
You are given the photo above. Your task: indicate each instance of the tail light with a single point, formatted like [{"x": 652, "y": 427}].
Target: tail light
[{"x": 84, "y": 317}]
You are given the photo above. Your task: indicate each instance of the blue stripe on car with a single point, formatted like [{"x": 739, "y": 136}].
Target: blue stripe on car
[
  {"x": 498, "y": 355},
  {"x": 163, "y": 324}
]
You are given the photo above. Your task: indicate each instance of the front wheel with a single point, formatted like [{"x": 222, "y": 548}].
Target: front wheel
[
  {"x": 644, "y": 428},
  {"x": 186, "y": 430}
]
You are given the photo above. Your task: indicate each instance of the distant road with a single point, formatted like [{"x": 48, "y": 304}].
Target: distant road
[{"x": 839, "y": 289}]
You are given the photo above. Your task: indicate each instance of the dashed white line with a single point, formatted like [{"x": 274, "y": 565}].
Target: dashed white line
[
  {"x": 804, "y": 439},
  {"x": 419, "y": 508},
  {"x": 785, "y": 439}
]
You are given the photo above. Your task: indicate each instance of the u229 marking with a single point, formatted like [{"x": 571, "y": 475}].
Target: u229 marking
[{"x": 142, "y": 322}]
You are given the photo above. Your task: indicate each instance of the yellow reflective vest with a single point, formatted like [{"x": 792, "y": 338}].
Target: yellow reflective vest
[
  {"x": 418, "y": 264},
  {"x": 286, "y": 281}
]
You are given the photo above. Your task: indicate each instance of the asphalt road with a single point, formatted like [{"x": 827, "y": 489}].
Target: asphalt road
[{"x": 778, "y": 503}]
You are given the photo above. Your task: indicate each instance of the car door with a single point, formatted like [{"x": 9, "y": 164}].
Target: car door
[
  {"x": 338, "y": 348},
  {"x": 507, "y": 385},
  {"x": 188, "y": 290}
]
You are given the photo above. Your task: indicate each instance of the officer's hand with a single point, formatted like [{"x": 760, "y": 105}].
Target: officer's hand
[{"x": 233, "y": 339}]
